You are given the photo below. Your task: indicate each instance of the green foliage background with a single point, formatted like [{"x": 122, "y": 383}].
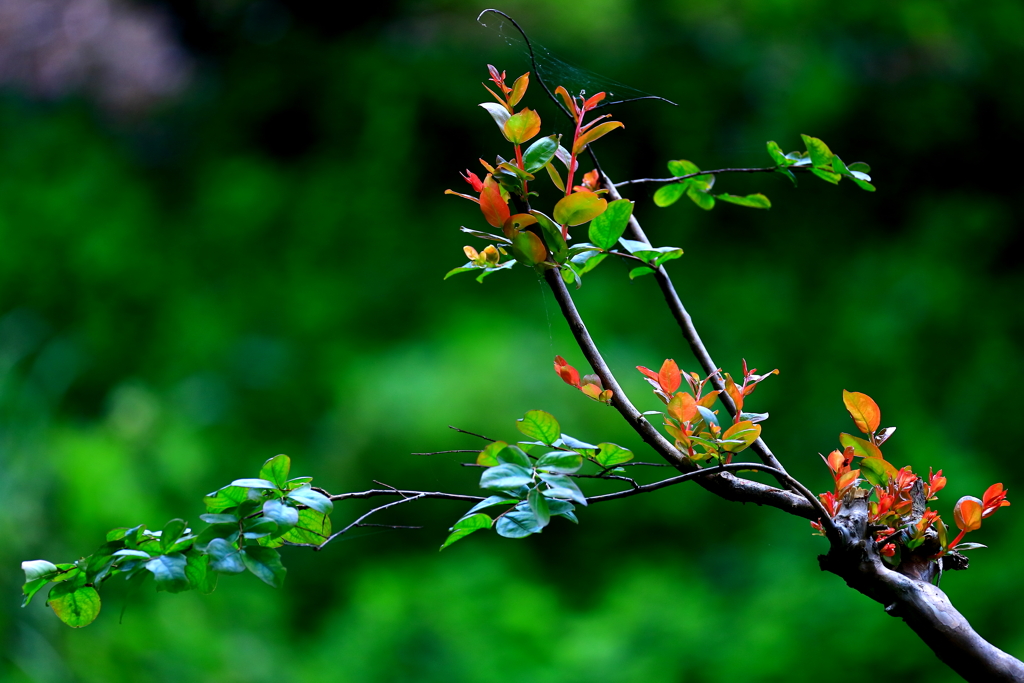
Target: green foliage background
[{"x": 257, "y": 267}]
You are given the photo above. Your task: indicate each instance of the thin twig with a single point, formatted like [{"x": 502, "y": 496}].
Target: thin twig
[
  {"x": 673, "y": 179},
  {"x": 374, "y": 510},
  {"x": 479, "y": 436},
  {"x": 457, "y": 450}
]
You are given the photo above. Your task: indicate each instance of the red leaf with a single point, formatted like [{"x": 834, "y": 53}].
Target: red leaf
[
  {"x": 593, "y": 101},
  {"x": 494, "y": 207},
  {"x": 567, "y": 372},
  {"x": 648, "y": 372}
]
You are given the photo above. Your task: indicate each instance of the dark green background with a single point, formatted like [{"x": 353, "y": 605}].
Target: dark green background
[{"x": 255, "y": 268}]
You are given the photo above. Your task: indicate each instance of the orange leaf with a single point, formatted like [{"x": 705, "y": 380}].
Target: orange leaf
[
  {"x": 745, "y": 432},
  {"x": 513, "y": 224},
  {"x": 578, "y": 208},
  {"x": 863, "y": 410},
  {"x": 593, "y": 134},
  {"x": 682, "y": 407},
  {"x": 493, "y": 206},
  {"x": 708, "y": 400},
  {"x": 648, "y": 372},
  {"x": 519, "y": 89},
  {"x": 734, "y": 392},
  {"x": 569, "y": 104},
  {"x": 967, "y": 513},
  {"x": 669, "y": 376},
  {"x": 568, "y": 373}
]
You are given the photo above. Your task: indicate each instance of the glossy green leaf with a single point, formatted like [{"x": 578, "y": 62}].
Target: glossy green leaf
[
  {"x": 560, "y": 462},
  {"x": 171, "y": 532},
  {"x": 514, "y": 455},
  {"x": 755, "y": 201},
  {"x": 276, "y": 470},
  {"x": 640, "y": 271},
  {"x": 224, "y": 557},
  {"x": 612, "y": 454},
  {"x": 284, "y": 516},
  {"x": 254, "y": 483},
  {"x": 552, "y": 236},
  {"x": 169, "y": 572},
  {"x": 540, "y": 153},
  {"x": 36, "y": 569},
  {"x": 265, "y": 563},
  {"x": 313, "y": 527},
  {"x": 821, "y": 155},
  {"x": 228, "y": 532},
  {"x": 498, "y": 112},
  {"x": 563, "y": 487},
  {"x": 577, "y": 445},
  {"x": 862, "y": 184},
  {"x": 562, "y": 508},
  {"x": 859, "y": 167},
  {"x": 578, "y": 208},
  {"x": 540, "y": 425},
  {"x": 305, "y": 495},
  {"x": 75, "y": 605},
  {"x": 465, "y": 526},
  {"x": 226, "y": 497},
  {"x": 200, "y": 576},
  {"x": 607, "y": 228},
  {"x": 491, "y": 501},
  {"x": 517, "y": 524},
  {"x": 30, "y": 588},
  {"x": 505, "y": 476},
  {"x": 668, "y": 195},
  {"x": 219, "y": 518},
  {"x": 539, "y": 507}
]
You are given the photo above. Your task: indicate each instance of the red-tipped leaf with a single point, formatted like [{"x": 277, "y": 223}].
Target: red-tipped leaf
[{"x": 863, "y": 410}]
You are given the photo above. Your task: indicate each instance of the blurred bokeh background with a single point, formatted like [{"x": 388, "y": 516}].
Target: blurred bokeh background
[{"x": 222, "y": 237}]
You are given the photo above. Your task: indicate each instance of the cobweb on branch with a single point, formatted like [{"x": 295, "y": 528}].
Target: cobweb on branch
[{"x": 552, "y": 72}]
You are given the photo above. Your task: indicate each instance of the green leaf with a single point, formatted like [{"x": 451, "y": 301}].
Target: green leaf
[
  {"x": 514, "y": 456},
  {"x": 756, "y": 201},
  {"x": 862, "y": 184},
  {"x": 560, "y": 462},
  {"x": 491, "y": 501},
  {"x": 821, "y": 155},
  {"x": 682, "y": 167},
  {"x": 701, "y": 198},
  {"x": 37, "y": 569},
  {"x": 539, "y": 507},
  {"x": 224, "y": 498},
  {"x": 172, "y": 531},
  {"x": 258, "y": 527},
  {"x": 552, "y": 236},
  {"x": 228, "y": 532},
  {"x": 775, "y": 152},
  {"x": 606, "y": 229},
  {"x": 639, "y": 271},
  {"x": 667, "y": 195},
  {"x": 877, "y": 471},
  {"x": 577, "y": 445},
  {"x": 540, "y": 425},
  {"x": 305, "y": 495},
  {"x": 254, "y": 483},
  {"x": 128, "y": 552},
  {"x": 708, "y": 416},
  {"x": 465, "y": 526},
  {"x": 517, "y": 524},
  {"x": 75, "y": 605},
  {"x": 521, "y": 126},
  {"x": 828, "y": 176},
  {"x": 861, "y": 447},
  {"x": 579, "y": 207},
  {"x": 224, "y": 557},
  {"x": 838, "y": 166},
  {"x": 540, "y": 153},
  {"x": 489, "y": 455},
  {"x": 30, "y": 588},
  {"x": 743, "y": 433},
  {"x": 498, "y": 112},
  {"x": 562, "y": 487},
  {"x": 789, "y": 174},
  {"x": 504, "y": 477},
  {"x": 285, "y": 516},
  {"x": 859, "y": 167},
  {"x": 211, "y": 518},
  {"x": 276, "y": 470},
  {"x": 562, "y": 508},
  {"x": 265, "y": 563},
  {"x": 200, "y": 576},
  {"x": 528, "y": 248},
  {"x": 313, "y": 527},
  {"x": 169, "y": 572},
  {"x": 612, "y": 454}
]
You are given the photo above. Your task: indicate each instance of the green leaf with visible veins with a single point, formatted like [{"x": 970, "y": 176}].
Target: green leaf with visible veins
[
  {"x": 606, "y": 229},
  {"x": 169, "y": 572},
  {"x": 76, "y": 606},
  {"x": 540, "y": 425},
  {"x": 313, "y": 527},
  {"x": 276, "y": 470},
  {"x": 265, "y": 563}
]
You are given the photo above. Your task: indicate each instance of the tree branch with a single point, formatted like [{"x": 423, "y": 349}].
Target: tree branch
[{"x": 766, "y": 169}]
